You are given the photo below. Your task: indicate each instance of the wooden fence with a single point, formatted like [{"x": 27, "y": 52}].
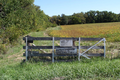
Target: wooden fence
[{"x": 29, "y": 39}]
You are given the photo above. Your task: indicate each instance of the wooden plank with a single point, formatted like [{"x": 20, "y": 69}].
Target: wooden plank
[
  {"x": 56, "y": 55},
  {"x": 58, "y": 38},
  {"x": 47, "y": 38},
  {"x": 47, "y": 54},
  {"x": 96, "y": 47},
  {"x": 50, "y": 47},
  {"x": 38, "y": 47},
  {"x": 95, "y": 54},
  {"x": 38, "y": 38},
  {"x": 66, "y": 50},
  {"x": 64, "y": 47},
  {"x": 91, "y": 39},
  {"x": 39, "y": 54},
  {"x": 29, "y": 41},
  {"x": 30, "y": 52}
]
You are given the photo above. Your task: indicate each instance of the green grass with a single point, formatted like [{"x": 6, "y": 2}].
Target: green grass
[
  {"x": 12, "y": 68},
  {"x": 94, "y": 69}
]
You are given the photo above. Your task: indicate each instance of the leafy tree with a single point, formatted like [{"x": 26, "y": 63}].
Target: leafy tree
[
  {"x": 76, "y": 20},
  {"x": 18, "y": 17},
  {"x": 91, "y": 16},
  {"x": 112, "y": 17},
  {"x": 99, "y": 17},
  {"x": 81, "y": 17},
  {"x": 64, "y": 19},
  {"x": 58, "y": 20},
  {"x": 119, "y": 17},
  {"x": 69, "y": 19},
  {"x": 53, "y": 19}
]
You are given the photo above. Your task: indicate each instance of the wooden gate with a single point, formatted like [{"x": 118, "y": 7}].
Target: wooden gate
[{"x": 71, "y": 49}]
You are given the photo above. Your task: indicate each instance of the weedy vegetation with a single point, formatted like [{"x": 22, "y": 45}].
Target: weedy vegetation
[{"x": 13, "y": 68}]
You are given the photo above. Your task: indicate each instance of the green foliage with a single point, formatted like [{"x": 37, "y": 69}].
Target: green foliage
[
  {"x": 19, "y": 17},
  {"x": 64, "y": 19},
  {"x": 53, "y": 19},
  {"x": 99, "y": 17},
  {"x": 53, "y": 25},
  {"x": 119, "y": 17},
  {"x": 13, "y": 33},
  {"x": 3, "y": 49},
  {"x": 91, "y": 17},
  {"x": 87, "y": 17},
  {"x": 88, "y": 69},
  {"x": 80, "y": 18},
  {"x": 76, "y": 20},
  {"x": 95, "y": 69}
]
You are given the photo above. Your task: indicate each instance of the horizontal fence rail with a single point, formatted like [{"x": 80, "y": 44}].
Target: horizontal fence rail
[
  {"x": 57, "y": 38},
  {"x": 50, "y": 54},
  {"x": 50, "y": 47},
  {"x": 53, "y": 54}
]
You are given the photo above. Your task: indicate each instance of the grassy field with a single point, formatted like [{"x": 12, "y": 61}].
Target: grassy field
[
  {"x": 12, "y": 66},
  {"x": 110, "y": 31},
  {"x": 91, "y": 70}
]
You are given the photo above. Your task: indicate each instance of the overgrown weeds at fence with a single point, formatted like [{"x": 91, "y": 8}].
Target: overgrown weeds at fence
[{"x": 95, "y": 68}]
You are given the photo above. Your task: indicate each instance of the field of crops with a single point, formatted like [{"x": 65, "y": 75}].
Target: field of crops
[{"x": 110, "y": 31}]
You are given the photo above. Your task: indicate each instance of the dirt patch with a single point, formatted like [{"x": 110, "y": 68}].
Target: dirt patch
[
  {"x": 45, "y": 34},
  {"x": 57, "y": 43},
  {"x": 17, "y": 56},
  {"x": 12, "y": 56}
]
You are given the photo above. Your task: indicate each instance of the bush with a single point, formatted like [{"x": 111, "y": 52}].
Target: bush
[
  {"x": 3, "y": 49},
  {"x": 54, "y": 25},
  {"x": 40, "y": 29},
  {"x": 20, "y": 17},
  {"x": 13, "y": 33}
]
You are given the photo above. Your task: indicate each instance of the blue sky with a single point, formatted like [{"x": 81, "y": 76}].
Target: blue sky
[{"x": 68, "y": 7}]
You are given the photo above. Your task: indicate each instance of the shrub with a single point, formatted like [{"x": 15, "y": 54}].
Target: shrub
[
  {"x": 54, "y": 25},
  {"x": 3, "y": 49}
]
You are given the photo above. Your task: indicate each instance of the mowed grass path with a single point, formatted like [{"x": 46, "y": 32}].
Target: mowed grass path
[{"x": 110, "y": 31}]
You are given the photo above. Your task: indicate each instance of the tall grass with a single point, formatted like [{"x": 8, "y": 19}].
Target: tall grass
[
  {"x": 93, "y": 69},
  {"x": 85, "y": 69}
]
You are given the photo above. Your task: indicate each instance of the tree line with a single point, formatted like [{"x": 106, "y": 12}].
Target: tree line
[{"x": 87, "y": 17}]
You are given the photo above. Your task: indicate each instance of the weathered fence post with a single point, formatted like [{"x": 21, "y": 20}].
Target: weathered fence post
[
  {"x": 53, "y": 51},
  {"x": 104, "y": 47},
  {"x": 26, "y": 48},
  {"x": 79, "y": 51}
]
